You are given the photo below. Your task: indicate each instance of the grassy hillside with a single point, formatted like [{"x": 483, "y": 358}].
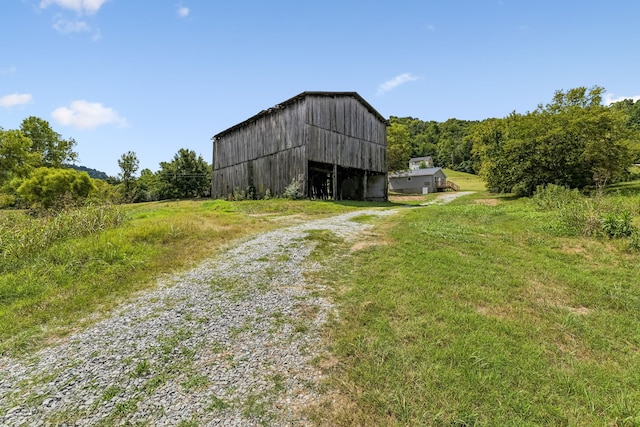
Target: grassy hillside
[
  {"x": 485, "y": 312},
  {"x": 466, "y": 181}
]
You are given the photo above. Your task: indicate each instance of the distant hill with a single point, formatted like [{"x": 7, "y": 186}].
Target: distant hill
[{"x": 96, "y": 174}]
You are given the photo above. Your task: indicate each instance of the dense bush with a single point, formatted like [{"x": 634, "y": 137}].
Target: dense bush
[
  {"x": 47, "y": 187},
  {"x": 607, "y": 216}
]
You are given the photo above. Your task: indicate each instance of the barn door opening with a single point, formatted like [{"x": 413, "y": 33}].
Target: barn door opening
[
  {"x": 351, "y": 184},
  {"x": 321, "y": 179}
]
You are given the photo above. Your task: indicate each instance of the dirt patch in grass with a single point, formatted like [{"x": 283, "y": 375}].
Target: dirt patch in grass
[
  {"x": 364, "y": 245},
  {"x": 546, "y": 294},
  {"x": 551, "y": 295},
  {"x": 403, "y": 199},
  {"x": 576, "y": 250},
  {"x": 370, "y": 239},
  {"x": 497, "y": 311},
  {"x": 487, "y": 202}
]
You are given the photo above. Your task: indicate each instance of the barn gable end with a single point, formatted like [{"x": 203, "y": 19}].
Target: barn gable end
[{"x": 332, "y": 143}]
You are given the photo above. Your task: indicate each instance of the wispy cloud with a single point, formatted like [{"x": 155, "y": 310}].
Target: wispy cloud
[
  {"x": 430, "y": 27},
  {"x": 87, "y": 115},
  {"x": 88, "y": 7},
  {"x": 8, "y": 71},
  {"x": 65, "y": 26},
  {"x": 395, "y": 82},
  {"x": 183, "y": 12},
  {"x": 9, "y": 101},
  {"x": 609, "y": 98}
]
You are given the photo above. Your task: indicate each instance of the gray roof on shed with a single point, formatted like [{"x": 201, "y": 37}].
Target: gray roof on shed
[
  {"x": 297, "y": 98},
  {"x": 416, "y": 172}
]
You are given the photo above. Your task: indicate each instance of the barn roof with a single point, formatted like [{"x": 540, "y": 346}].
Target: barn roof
[{"x": 295, "y": 99}]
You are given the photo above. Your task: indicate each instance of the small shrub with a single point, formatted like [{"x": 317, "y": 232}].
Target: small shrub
[
  {"x": 634, "y": 241},
  {"x": 7, "y": 200},
  {"x": 293, "y": 191},
  {"x": 251, "y": 193},
  {"x": 554, "y": 196},
  {"x": 615, "y": 226},
  {"x": 239, "y": 195}
]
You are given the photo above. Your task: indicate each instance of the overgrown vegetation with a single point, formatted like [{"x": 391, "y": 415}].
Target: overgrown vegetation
[
  {"x": 601, "y": 216},
  {"x": 58, "y": 268},
  {"x": 488, "y": 311},
  {"x": 24, "y": 235}
]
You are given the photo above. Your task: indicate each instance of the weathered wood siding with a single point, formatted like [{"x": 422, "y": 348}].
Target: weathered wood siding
[
  {"x": 273, "y": 172},
  {"x": 267, "y": 153},
  {"x": 279, "y": 131},
  {"x": 342, "y": 131}
]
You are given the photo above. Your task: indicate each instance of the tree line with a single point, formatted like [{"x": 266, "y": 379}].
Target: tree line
[
  {"x": 573, "y": 141},
  {"x": 36, "y": 172}
]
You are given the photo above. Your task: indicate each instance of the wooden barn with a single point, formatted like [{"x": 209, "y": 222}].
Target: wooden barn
[{"x": 333, "y": 145}]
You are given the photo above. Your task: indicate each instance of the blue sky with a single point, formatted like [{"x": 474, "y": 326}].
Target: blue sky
[{"x": 156, "y": 76}]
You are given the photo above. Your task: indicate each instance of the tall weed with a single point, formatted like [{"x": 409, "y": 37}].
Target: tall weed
[
  {"x": 603, "y": 215},
  {"x": 23, "y": 235},
  {"x": 552, "y": 196}
]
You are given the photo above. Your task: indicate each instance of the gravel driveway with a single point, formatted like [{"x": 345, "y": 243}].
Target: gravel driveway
[{"x": 227, "y": 343}]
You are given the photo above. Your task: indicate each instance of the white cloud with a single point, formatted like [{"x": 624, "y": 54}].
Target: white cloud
[
  {"x": 89, "y": 7},
  {"x": 183, "y": 12},
  {"x": 610, "y": 98},
  {"x": 395, "y": 82},
  {"x": 9, "y": 101},
  {"x": 63, "y": 26},
  {"x": 87, "y": 115}
]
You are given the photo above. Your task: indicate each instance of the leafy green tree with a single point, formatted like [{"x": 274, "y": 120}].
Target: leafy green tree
[
  {"x": 398, "y": 148},
  {"x": 54, "y": 150},
  {"x": 573, "y": 142},
  {"x": 187, "y": 175},
  {"x": 454, "y": 147},
  {"x": 148, "y": 186},
  {"x": 447, "y": 143},
  {"x": 16, "y": 158},
  {"x": 128, "y": 164},
  {"x": 51, "y": 187},
  {"x": 632, "y": 110}
]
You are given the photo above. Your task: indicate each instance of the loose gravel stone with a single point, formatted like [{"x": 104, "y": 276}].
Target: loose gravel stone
[{"x": 228, "y": 343}]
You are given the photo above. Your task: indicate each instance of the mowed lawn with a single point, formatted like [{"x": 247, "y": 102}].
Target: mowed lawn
[{"x": 481, "y": 313}]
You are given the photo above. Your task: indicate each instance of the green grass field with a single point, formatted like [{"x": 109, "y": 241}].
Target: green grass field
[
  {"x": 485, "y": 311},
  {"x": 479, "y": 313},
  {"x": 466, "y": 181}
]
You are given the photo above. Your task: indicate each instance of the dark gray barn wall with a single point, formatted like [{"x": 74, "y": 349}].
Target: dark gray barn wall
[
  {"x": 267, "y": 153},
  {"x": 342, "y": 131},
  {"x": 273, "y": 172}
]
